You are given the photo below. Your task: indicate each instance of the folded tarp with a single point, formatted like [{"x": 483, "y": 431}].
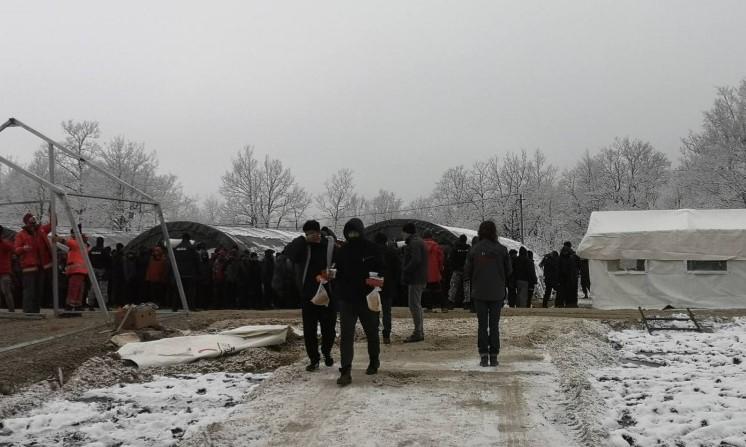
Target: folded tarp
[{"x": 178, "y": 350}]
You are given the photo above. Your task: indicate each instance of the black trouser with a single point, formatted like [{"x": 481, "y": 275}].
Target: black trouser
[
  {"x": 190, "y": 292},
  {"x": 387, "y": 300},
  {"x": 35, "y": 286},
  {"x": 268, "y": 295},
  {"x": 313, "y": 316},
  {"x": 488, "y": 333},
  {"x": 349, "y": 314},
  {"x": 434, "y": 296},
  {"x": 512, "y": 295},
  {"x": 548, "y": 293}
]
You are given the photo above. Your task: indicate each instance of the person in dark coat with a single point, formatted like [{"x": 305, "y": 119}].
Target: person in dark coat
[
  {"x": 392, "y": 271},
  {"x": 459, "y": 286},
  {"x": 254, "y": 279},
  {"x": 550, "y": 267},
  {"x": 488, "y": 267},
  {"x": 312, "y": 256},
  {"x": 268, "y": 271},
  {"x": 356, "y": 260},
  {"x": 585, "y": 277},
  {"x": 204, "y": 278},
  {"x": 568, "y": 277},
  {"x": 100, "y": 257},
  {"x": 512, "y": 291},
  {"x": 533, "y": 279},
  {"x": 117, "y": 283},
  {"x": 187, "y": 261},
  {"x": 414, "y": 275},
  {"x": 522, "y": 277}
]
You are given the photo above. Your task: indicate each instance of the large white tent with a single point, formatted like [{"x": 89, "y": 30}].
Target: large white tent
[{"x": 681, "y": 258}]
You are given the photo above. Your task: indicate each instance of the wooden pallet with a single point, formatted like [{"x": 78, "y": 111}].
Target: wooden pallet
[{"x": 646, "y": 320}]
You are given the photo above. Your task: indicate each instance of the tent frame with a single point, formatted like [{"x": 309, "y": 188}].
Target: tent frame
[{"x": 57, "y": 192}]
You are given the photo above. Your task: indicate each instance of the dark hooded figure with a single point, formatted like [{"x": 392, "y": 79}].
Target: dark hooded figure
[
  {"x": 568, "y": 277},
  {"x": 357, "y": 261},
  {"x": 585, "y": 277},
  {"x": 512, "y": 289},
  {"x": 550, "y": 266},
  {"x": 391, "y": 270},
  {"x": 312, "y": 255}
]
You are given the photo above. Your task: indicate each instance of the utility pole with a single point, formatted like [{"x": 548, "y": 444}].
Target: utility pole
[{"x": 520, "y": 203}]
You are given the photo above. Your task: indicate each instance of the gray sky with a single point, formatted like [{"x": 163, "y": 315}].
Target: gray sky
[{"x": 398, "y": 91}]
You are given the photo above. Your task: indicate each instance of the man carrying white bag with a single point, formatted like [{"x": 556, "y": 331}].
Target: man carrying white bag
[{"x": 354, "y": 288}]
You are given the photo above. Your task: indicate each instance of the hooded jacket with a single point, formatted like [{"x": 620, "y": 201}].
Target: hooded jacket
[
  {"x": 355, "y": 260},
  {"x": 568, "y": 268},
  {"x": 434, "y": 261},
  {"x": 299, "y": 251},
  {"x": 488, "y": 267},
  {"x": 75, "y": 263}
]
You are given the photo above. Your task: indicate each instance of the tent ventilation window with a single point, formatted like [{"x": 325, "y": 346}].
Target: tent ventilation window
[
  {"x": 707, "y": 266},
  {"x": 626, "y": 266}
]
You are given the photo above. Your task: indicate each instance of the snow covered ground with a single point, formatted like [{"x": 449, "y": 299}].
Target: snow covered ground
[
  {"x": 676, "y": 388},
  {"x": 155, "y": 413}
]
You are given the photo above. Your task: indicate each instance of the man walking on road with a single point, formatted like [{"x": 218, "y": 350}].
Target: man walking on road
[
  {"x": 357, "y": 260},
  {"x": 414, "y": 275}
]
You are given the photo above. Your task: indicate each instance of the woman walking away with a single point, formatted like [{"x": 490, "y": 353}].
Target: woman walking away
[{"x": 488, "y": 267}]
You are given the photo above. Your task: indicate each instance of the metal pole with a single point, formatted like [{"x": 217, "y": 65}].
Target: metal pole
[
  {"x": 520, "y": 200},
  {"x": 172, "y": 258},
  {"x": 53, "y": 224},
  {"x": 93, "y": 196},
  {"x": 22, "y": 202},
  {"x": 88, "y": 265}
]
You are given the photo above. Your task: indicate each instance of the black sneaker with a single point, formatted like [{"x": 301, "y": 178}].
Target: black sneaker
[
  {"x": 413, "y": 339},
  {"x": 493, "y": 360},
  {"x": 373, "y": 368},
  {"x": 328, "y": 360},
  {"x": 386, "y": 340},
  {"x": 344, "y": 379},
  {"x": 483, "y": 361},
  {"x": 313, "y": 366}
]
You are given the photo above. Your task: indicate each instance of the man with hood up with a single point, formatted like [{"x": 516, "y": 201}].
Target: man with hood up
[
  {"x": 569, "y": 264},
  {"x": 310, "y": 255},
  {"x": 356, "y": 261}
]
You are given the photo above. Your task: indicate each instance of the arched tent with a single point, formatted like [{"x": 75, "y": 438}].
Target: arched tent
[
  {"x": 443, "y": 234},
  {"x": 246, "y": 238}
]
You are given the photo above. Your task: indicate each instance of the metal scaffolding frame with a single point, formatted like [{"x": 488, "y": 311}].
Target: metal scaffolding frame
[{"x": 57, "y": 191}]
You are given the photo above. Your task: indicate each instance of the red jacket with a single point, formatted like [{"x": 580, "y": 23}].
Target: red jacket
[
  {"x": 157, "y": 271},
  {"x": 34, "y": 248},
  {"x": 6, "y": 251},
  {"x": 434, "y": 261},
  {"x": 75, "y": 262}
]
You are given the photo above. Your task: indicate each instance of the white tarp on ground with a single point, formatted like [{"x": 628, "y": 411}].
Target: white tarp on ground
[
  {"x": 666, "y": 239},
  {"x": 707, "y": 235},
  {"x": 177, "y": 350}
]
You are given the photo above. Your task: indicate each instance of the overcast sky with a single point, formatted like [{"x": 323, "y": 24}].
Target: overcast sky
[{"x": 398, "y": 91}]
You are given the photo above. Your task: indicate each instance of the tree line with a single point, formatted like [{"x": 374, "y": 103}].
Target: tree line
[{"x": 529, "y": 197}]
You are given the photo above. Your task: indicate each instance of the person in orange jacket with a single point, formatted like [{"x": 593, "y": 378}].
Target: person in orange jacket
[
  {"x": 76, "y": 272},
  {"x": 33, "y": 249},
  {"x": 435, "y": 263},
  {"x": 6, "y": 282}
]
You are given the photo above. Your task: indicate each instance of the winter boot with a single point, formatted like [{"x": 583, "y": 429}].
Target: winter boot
[
  {"x": 493, "y": 360},
  {"x": 386, "y": 340},
  {"x": 345, "y": 377},
  {"x": 328, "y": 360},
  {"x": 373, "y": 367},
  {"x": 483, "y": 361},
  {"x": 313, "y": 366}
]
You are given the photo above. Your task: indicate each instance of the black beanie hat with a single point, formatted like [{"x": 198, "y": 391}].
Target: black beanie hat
[
  {"x": 409, "y": 228},
  {"x": 311, "y": 225}
]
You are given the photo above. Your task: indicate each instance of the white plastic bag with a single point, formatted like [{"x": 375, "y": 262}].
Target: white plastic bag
[
  {"x": 322, "y": 297},
  {"x": 374, "y": 299}
]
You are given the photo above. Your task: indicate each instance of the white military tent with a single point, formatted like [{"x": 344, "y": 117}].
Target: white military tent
[{"x": 682, "y": 258}]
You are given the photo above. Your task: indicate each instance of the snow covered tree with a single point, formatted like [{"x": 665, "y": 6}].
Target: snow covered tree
[
  {"x": 384, "y": 206},
  {"x": 240, "y": 188},
  {"x": 339, "y": 197}
]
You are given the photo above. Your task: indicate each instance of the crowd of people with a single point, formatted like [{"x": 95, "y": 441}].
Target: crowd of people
[{"x": 326, "y": 277}]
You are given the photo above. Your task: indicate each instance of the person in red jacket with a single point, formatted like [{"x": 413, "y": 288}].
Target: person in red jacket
[
  {"x": 33, "y": 249},
  {"x": 435, "y": 262},
  {"x": 6, "y": 281},
  {"x": 76, "y": 272}
]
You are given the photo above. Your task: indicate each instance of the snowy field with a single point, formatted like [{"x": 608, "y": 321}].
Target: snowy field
[
  {"x": 155, "y": 413},
  {"x": 676, "y": 388}
]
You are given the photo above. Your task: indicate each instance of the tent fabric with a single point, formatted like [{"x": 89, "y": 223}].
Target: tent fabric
[
  {"x": 246, "y": 238},
  {"x": 707, "y": 235},
  {"x": 179, "y": 350}
]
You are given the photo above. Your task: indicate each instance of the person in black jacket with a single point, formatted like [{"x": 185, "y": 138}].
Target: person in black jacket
[
  {"x": 459, "y": 284},
  {"x": 550, "y": 266},
  {"x": 568, "y": 277},
  {"x": 391, "y": 270},
  {"x": 100, "y": 257},
  {"x": 268, "y": 272},
  {"x": 585, "y": 277},
  {"x": 522, "y": 277},
  {"x": 512, "y": 291},
  {"x": 310, "y": 255},
  {"x": 355, "y": 261},
  {"x": 187, "y": 260}
]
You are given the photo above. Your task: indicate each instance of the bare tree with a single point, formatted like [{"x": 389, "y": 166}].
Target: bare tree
[
  {"x": 713, "y": 164},
  {"x": 81, "y": 138},
  {"x": 384, "y": 206},
  {"x": 338, "y": 198},
  {"x": 240, "y": 188},
  {"x": 275, "y": 186},
  {"x": 296, "y": 206}
]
